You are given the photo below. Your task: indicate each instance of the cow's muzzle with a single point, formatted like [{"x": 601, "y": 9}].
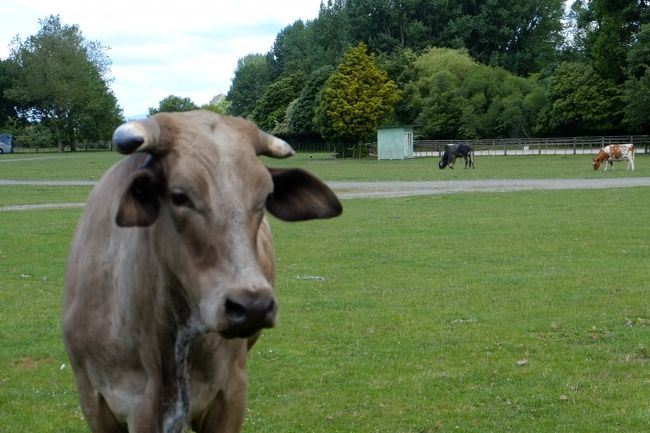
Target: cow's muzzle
[{"x": 248, "y": 313}]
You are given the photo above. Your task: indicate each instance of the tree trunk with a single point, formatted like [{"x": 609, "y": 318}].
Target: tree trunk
[{"x": 59, "y": 139}]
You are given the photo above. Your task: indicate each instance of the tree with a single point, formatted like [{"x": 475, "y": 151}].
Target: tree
[
  {"x": 636, "y": 95},
  {"x": 521, "y": 36},
  {"x": 441, "y": 115},
  {"x": 289, "y": 53},
  {"x": 356, "y": 98},
  {"x": 607, "y": 29},
  {"x": 8, "y": 73},
  {"x": 433, "y": 95},
  {"x": 400, "y": 67},
  {"x": 271, "y": 109},
  {"x": 579, "y": 24},
  {"x": 173, "y": 103},
  {"x": 62, "y": 82},
  {"x": 638, "y": 55},
  {"x": 456, "y": 97},
  {"x": 301, "y": 116},
  {"x": 580, "y": 102},
  {"x": 249, "y": 84},
  {"x": 328, "y": 36},
  {"x": 387, "y": 25}
]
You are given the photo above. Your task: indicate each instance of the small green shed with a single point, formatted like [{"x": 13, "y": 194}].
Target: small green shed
[{"x": 395, "y": 142}]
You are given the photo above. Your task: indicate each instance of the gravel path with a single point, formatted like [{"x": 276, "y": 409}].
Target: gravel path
[
  {"x": 397, "y": 189},
  {"x": 350, "y": 190}
]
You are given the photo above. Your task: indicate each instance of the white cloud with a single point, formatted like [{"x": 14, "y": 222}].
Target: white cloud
[{"x": 187, "y": 48}]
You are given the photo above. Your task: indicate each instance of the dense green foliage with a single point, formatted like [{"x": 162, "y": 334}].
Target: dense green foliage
[
  {"x": 486, "y": 69},
  {"x": 173, "y": 103},
  {"x": 248, "y": 86},
  {"x": 355, "y": 98},
  {"x": 58, "y": 80}
]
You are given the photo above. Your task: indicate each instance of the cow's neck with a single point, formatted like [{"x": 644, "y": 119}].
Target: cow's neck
[
  {"x": 178, "y": 393},
  {"x": 187, "y": 328}
]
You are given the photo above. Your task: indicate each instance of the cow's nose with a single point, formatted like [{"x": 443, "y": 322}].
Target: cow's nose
[{"x": 248, "y": 313}]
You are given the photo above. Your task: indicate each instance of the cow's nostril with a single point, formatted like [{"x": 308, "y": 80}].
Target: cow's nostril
[
  {"x": 248, "y": 314},
  {"x": 235, "y": 311}
]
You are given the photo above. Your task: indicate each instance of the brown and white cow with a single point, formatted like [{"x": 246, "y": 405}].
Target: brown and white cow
[
  {"x": 170, "y": 275},
  {"x": 615, "y": 152}
]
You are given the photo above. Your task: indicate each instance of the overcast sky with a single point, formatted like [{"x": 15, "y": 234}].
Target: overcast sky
[{"x": 187, "y": 48}]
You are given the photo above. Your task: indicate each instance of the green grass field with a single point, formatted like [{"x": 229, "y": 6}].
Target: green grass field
[
  {"x": 473, "y": 312},
  {"x": 90, "y": 166}
]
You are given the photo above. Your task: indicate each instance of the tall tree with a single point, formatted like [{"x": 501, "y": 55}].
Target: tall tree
[
  {"x": 579, "y": 24},
  {"x": 400, "y": 67},
  {"x": 303, "y": 112},
  {"x": 636, "y": 95},
  {"x": 249, "y": 84},
  {"x": 289, "y": 53},
  {"x": 580, "y": 102},
  {"x": 637, "y": 87},
  {"x": 271, "y": 109},
  {"x": 63, "y": 83},
  {"x": 8, "y": 73},
  {"x": 387, "y": 25},
  {"x": 328, "y": 36},
  {"x": 612, "y": 26},
  {"x": 356, "y": 98},
  {"x": 520, "y": 35}
]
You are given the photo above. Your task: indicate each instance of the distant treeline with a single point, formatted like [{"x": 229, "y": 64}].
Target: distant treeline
[{"x": 463, "y": 69}]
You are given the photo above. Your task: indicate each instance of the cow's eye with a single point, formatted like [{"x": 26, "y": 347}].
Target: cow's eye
[{"x": 181, "y": 199}]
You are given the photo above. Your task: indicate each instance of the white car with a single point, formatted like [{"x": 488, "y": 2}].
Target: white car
[{"x": 5, "y": 147}]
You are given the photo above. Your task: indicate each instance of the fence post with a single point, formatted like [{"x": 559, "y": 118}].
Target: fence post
[{"x": 574, "y": 145}]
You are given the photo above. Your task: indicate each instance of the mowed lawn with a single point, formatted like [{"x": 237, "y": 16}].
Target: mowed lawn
[{"x": 474, "y": 312}]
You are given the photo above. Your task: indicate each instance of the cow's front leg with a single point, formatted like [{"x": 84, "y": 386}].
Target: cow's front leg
[
  {"x": 225, "y": 414},
  {"x": 95, "y": 409}
]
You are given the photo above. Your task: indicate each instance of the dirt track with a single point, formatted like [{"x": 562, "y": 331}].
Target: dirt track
[{"x": 350, "y": 190}]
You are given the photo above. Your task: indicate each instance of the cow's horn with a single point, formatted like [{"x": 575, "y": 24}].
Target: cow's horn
[
  {"x": 270, "y": 145},
  {"x": 136, "y": 136}
]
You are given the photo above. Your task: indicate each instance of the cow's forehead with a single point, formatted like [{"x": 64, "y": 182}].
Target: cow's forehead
[
  {"x": 209, "y": 134},
  {"x": 219, "y": 159}
]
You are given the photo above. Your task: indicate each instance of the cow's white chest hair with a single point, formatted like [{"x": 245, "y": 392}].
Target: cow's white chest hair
[{"x": 175, "y": 416}]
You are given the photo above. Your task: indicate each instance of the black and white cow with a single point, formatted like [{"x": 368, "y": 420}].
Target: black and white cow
[{"x": 452, "y": 151}]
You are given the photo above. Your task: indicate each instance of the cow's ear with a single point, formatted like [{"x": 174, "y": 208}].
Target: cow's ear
[
  {"x": 140, "y": 202},
  {"x": 298, "y": 195}
]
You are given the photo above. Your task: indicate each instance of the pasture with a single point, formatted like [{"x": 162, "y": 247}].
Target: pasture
[{"x": 473, "y": 312}]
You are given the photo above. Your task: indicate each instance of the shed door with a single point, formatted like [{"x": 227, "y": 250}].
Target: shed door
[{"x": 408, "y": 143}]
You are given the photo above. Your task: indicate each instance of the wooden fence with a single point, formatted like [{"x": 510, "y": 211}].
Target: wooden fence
[
  {"x": 422, "y": 148},
  {"x": 534, "y": 146}
]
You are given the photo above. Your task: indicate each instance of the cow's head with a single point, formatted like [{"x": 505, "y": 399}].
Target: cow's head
[
  {"x": 201, "y": 195},
  {"x": 599, "y": 158},
  {"x": 595, "y": 163}
]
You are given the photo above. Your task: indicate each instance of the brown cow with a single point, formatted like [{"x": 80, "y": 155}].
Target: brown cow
[
  {"x": 614, "y": 152},
  {"x": 170, "y": 275}
]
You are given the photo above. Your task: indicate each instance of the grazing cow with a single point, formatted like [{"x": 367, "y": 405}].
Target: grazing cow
[
  {"x": 170, "y": 275},
  {"x": 452, "y": 151},
  {"x": 615, "y": 152}
]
